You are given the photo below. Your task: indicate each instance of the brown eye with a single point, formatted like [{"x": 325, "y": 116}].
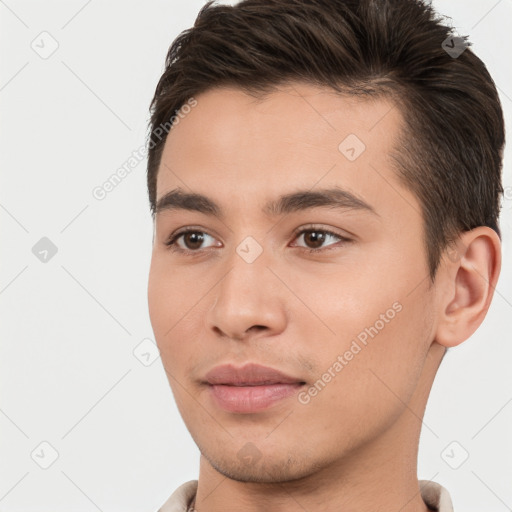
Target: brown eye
[
  {"x": 314, "y": 238},
  {"x": 192, "y": 240}
]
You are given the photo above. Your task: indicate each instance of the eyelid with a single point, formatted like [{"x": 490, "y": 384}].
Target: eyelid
[{"x": 319, "y": 227}]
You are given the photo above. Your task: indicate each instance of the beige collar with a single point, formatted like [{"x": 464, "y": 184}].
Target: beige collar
[{"x": 434, "y": 495}]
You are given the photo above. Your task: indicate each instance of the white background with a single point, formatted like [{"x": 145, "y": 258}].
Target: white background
[{"x": 69, "y": 326}]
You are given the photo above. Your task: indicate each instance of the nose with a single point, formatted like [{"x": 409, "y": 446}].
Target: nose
[{"x": 249, "y": 299}]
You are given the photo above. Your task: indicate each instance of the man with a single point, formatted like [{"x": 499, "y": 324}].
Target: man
[{"x": 325, "y": 179}]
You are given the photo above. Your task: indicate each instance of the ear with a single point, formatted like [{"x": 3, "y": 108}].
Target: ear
[{"x": 468, "y": 277}]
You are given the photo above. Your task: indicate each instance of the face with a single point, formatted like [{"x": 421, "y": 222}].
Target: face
[{"x": 330, "y": 288}]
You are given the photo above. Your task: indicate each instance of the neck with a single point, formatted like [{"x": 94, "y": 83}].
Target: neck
[{"x": 381, "y": 474}]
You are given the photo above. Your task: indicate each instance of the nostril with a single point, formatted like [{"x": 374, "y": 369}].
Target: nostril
[{"x": 256, "y": 328}]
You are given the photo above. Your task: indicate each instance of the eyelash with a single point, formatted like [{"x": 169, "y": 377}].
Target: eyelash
[{"x": 171, "y": 242}]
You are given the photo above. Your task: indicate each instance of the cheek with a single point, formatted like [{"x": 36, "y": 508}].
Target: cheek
[
  {"x": 170, "y": 294},
  {"x": 166, "y": 304},
  {"x": 159, "y": 301},
  {"x": 366, "y": 374},
  {"x": 174, "y": 307},
  {"x": 378, "y": 319}
]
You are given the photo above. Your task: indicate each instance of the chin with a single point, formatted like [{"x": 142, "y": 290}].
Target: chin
[{"x": 263, "y": 471}]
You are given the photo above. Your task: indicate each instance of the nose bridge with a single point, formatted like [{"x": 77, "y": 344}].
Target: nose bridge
[
  {"x": 248, "y": 263},
  {"x": 246, "y": 296}
]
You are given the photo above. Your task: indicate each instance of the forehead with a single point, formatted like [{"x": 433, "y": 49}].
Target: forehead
[
  {"x": 242, "y": 149},
  {"x": 297, "y": 114}
]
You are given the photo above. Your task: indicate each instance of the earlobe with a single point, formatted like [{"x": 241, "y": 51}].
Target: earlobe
[{"x": 469, "y": 276}]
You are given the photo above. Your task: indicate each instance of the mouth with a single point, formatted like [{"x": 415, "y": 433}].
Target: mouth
[{"x": 251, "y": 388}]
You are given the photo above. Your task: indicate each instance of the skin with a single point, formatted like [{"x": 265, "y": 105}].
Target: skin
[{"x": 354, "y": 445}]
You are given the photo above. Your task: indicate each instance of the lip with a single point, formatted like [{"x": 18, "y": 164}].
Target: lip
[
  {"x": 251, "y": 374},
  {"x": 251, "y": 388}
]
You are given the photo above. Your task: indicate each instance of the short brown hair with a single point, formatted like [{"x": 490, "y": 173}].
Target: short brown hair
[{"x": 450, "y": 150}]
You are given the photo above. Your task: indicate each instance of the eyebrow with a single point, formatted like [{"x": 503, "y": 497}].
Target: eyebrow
[{"x": 333, "y": 198}]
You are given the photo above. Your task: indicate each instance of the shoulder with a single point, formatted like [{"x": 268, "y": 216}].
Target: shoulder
[
  {"x": 180, "y": 498},
  {"x": 435, "y": 496}
]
